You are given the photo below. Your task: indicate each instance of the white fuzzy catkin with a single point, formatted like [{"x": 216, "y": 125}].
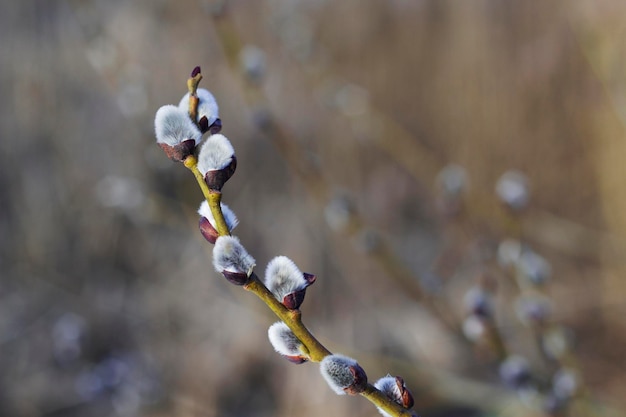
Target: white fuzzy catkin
[
  {"x": 216, "y": 153},
  {"x": 534, "y": 267},
  {"x": 512, "y": 189},
  {"x": 229, "y": 215},
  {"x": 283, "y": 277},
  {"x": 230, "y": 255},
  {"x": 514, "y": 371},
  {"x": 336, "y": 371},
  {"x": 283, "y": 340},
  {"x": 207, "y": 106},
  {"x": 388, "y": 386},
  {"x": 173, "y": 126}
]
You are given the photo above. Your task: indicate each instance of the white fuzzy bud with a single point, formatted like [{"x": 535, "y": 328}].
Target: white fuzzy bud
[
  {"x": 285, "y": 342},
  {"x": 283, "y": 277},
  {"x": 557, "y": 341},
  {"x": 207, "y": 106},
  {"x": 452, "y": 180},
  {"x": 252, "y": 61},
  {"x": 509, "y": 252},
  {"x": 229, "y": 216},
  {"x": 338, "y": 213},
  {"x": 343, "y": 374},
  {"x": 230, "y": 256},
  {"x": 394, "y": 388},
  {"x": 474, "y": 328},
  {"x": 534, "y": 267},
  {"x": 512, "y": 189},
  {"x": 533, "y": 309},
  {"x": 173, "y": 126},
  {"x": 515, "y": 372},
  {"x": 566, "y": 383},
  {"x": 217, "y": 153},
  {"x": 388, "y": 386},
  {"x": 479, "y": 302}
]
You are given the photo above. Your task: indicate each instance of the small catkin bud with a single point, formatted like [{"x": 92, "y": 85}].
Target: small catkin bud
[
  {"x": 207, "y": 221},
  {"x": 566, "y": 383},
  {"x": 232, "y": 260},
  {"x": 395, "y": 388},
  {"x": 208, "y": 111},
  {"x": 252, "y": 60},
  {"x": 533, "y": 309},
  {"x": 343, "y": 374},
  {"x": 534, "y": 267},
  {"x": 339, "y": 213},
  {"x": 287, "y": 282},
  {"x": 515, "y": 372},
  {"x": 216, "y": 161},
  {"x": 175, "y": 132},
  {"x": 513, "y": 190},
  {"x": 557, "y": 342},
  {"x": 479, "y": 302},
  {"x": 452, "y": 182},
  {"x": 285, "y": 342}
]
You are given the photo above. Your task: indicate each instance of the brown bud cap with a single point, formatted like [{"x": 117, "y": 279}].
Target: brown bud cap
[
  {"x": 294, "y": 300},
  {"x": 216, "y": 179},
  {"x": 237, "y": 278},
  {"x": 360, "y": 381},
  {"x": 180, "y": 151},
  {"x": 343, "y": 374},
  {"x": 207, "y": 230},
  {"x": 295, "y": 359}
]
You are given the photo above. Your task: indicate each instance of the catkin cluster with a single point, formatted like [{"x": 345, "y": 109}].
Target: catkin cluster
[{"x": 179, "y": 132}]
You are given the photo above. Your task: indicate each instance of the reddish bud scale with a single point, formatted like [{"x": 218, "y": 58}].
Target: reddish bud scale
[
  {"x": 216, "y": 179},
  {"x": 360, "y": 381},
  {"x": 237, "y": 278},
  {"x": 405, "y": 395},
  {"x": 207, "y": 230},
  {"x": 294, "y": 300},
  {"x": 179, "y": 152},
  {"x": 214, "y": 128},
  {"x": 295, "y": 359},
  {"x": 195, "y": 71}
]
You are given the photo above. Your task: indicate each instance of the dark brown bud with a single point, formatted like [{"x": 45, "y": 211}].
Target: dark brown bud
[
  {"x": 216, "y": 179},
  {"x": 360, "y": 381},
  {"x": 237, "y": 278},
  {"x": 180, "y": 151},
  {"x": 207, "y": 230},
  {"x": 294, "y": 300},
  {"x": 215, "y": 127},
  {"x": 405, "y": 395}
]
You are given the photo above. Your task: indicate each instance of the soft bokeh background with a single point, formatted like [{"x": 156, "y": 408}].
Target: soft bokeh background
[{"x": 109, "y": 305}]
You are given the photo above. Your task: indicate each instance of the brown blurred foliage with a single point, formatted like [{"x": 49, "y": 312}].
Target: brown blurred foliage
[{"x": 109, "y": 304}]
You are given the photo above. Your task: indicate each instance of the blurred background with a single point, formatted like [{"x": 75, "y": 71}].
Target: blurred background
[{"x": 370, "y": 137}]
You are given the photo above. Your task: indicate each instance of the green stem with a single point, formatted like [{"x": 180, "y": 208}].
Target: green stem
[
  {"x": 292, "y": 318},
  {"x": 315, "y": 350},
  {"x": 213, "y": 197}
]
